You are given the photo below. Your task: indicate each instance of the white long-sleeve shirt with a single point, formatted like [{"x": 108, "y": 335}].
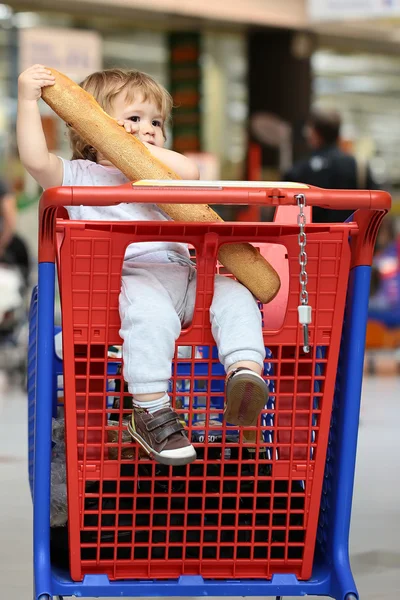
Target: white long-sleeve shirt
[{"x": 88, "y": 173}]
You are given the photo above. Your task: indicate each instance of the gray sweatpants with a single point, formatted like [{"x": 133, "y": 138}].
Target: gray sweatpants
[{"x": 157, "y": 299}]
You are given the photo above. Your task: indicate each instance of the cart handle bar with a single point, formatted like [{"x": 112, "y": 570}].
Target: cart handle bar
[{"x": 173, "y": 192}]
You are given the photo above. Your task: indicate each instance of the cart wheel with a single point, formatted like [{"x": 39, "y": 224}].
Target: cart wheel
[
  {"x": 45, "y": 597},
  {"x": 351, "y": 597},
  {"x": 278, "y": 598}
]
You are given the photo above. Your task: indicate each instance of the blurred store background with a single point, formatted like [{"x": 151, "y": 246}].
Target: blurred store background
[{"x": 244, "y": 76}]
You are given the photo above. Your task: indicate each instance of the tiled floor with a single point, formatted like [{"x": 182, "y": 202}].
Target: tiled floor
[{"x": 375, "y": 540}]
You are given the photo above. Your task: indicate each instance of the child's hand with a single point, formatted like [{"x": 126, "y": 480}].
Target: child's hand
[
  {"x": 130, "y": 127},
  {"x": 31, "y": 82}
]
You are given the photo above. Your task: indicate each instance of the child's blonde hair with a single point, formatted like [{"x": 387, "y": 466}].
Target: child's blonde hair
[{"x": 105, "y": 85}]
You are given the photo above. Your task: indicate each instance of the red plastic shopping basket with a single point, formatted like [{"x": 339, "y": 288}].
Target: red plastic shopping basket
[{"x": 248, "y": 507}]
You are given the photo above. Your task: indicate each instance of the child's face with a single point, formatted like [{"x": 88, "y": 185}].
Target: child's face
[{"x": 141, "y": 118}]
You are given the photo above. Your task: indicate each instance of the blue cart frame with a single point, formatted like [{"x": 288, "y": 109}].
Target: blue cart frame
[{"x": 331, "y": 575}]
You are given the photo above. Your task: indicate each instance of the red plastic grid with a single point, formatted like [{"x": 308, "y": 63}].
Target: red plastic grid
[{"x": 239, "y": 511}]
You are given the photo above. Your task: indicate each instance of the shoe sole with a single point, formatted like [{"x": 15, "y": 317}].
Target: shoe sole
[
  {"x": 164, "y": 460},
  {"x": 246, "y": 396}
]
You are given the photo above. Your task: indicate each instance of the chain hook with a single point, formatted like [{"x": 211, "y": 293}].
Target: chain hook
[{"x": 304, "y": 309}]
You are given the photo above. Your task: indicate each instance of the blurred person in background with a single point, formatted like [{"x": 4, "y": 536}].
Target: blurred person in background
[
  {"x": 329, "y": 166},
  {"x": 385, "y": 276},
  {"x": 13, "y": 249},
  {"x": 14, "y": 265},
  {"x": 8, "y": 218}
]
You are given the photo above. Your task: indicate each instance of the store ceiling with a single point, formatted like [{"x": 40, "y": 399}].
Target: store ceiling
[
  {"x": 290, "y": 14},
  {"x": 369, "y": 29},
  {"x": 236, "y": 14}
]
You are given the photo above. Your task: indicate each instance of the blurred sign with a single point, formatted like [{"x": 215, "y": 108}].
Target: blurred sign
[
  {"x": 271, "y": 130},
  {"x": 74, "y": 52},
  {"x": 185, "y": 84},
  {"x": 336, "y": 10}
]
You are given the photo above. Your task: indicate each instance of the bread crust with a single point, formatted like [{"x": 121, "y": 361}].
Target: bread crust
[{"x": 80, "y": 110}]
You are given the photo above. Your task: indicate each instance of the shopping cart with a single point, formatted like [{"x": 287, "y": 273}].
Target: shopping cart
[{"x": 262, "y": 512}]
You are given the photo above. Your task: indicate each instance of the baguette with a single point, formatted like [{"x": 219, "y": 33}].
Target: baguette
[{"x": 80, "y": 110}]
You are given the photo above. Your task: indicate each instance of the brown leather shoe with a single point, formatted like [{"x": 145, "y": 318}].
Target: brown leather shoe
[
  {"x": 250, "y": 437},
  {"x": 162, "y": 436},
  {"x": 246, "y": 396}
]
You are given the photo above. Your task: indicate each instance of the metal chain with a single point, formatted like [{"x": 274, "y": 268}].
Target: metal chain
[{"x": 301, "y": 221}]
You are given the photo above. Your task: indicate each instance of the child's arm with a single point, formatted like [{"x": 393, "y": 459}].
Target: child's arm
[
  {"x": 180, "y": 164},
  {"x": 45, "y": 167}
]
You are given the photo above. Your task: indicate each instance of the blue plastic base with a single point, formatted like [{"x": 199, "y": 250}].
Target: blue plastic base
[
  {"x": 322, "y": 583},
  {"x": 280, "y": 585}
]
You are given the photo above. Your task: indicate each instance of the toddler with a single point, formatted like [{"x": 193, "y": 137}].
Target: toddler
[{"x": 158, "y": 286}]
